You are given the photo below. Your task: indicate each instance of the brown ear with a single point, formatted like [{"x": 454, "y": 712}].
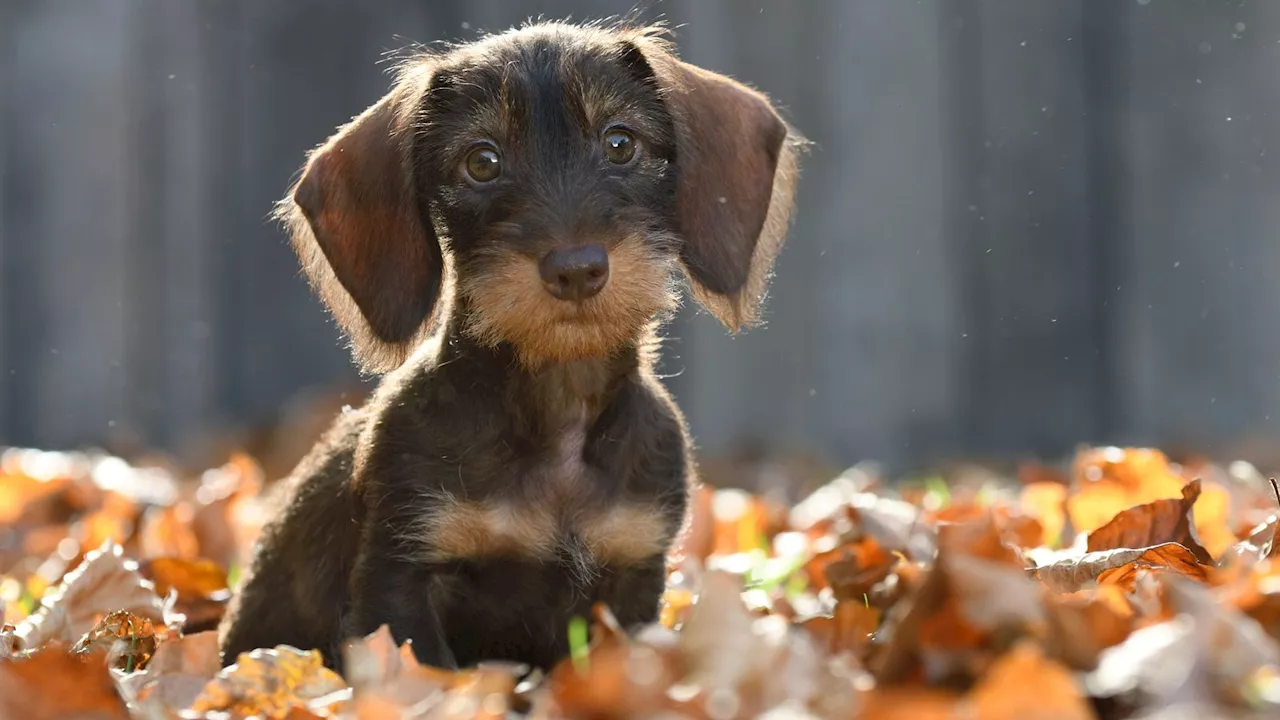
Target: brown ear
[
  {"x": 357, "y": 227},
  {"x": 737, "y": 163}
]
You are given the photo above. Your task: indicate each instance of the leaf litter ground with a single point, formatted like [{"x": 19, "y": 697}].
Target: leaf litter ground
[{"x": 1121, "y": 585}]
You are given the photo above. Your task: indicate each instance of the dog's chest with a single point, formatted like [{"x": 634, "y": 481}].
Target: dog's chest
[{"x": 559, "y": 515}]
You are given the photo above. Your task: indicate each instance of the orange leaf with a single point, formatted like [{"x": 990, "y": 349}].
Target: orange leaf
[
  {"x": 1154, "y": 523},
  {"x": 1023, "y": 683},
  {"x": 201, "y": 586},
  {"x": 52, "y": 684},
  {"x": 1170, "y": 556},
  {"x": 271, "y": 683},
  {"x": 128, "y": 640},
  {"x": 851, "y": 569},
  {"x": 1045, "y": 501},
  {"x": 1110, "y": 480},
  {"x": 1071, "y": 574},
  {"x": 1085, "y": 623}
]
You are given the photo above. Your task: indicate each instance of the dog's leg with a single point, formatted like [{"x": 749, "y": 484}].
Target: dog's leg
[
  {"x": 389, "y": 589},
  {"x": 634, "y": 594}
]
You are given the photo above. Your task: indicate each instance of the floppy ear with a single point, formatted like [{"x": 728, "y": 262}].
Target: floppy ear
[
  {"x": 737, "y": 164},
  {"x": 360, "y": 233}
]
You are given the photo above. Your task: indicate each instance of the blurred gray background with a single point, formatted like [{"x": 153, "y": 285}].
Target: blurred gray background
[{"x": 1025, "y": 225}]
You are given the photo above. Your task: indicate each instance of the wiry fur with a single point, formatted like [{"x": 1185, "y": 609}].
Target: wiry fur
[{"x": 520, "y": 461}]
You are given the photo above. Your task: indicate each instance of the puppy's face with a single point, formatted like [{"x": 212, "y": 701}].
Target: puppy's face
[
  {"x": 568, "y": 172},
  {"x": 549, "y": 158}
]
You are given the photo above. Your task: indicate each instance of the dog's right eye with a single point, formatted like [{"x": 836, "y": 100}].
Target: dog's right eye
[{"x": 483, "y": 164}]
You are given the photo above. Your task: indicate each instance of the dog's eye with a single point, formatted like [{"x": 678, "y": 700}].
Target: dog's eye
[
  {"x": 619, "y": 146},
  {"x": 484, "y": 164}
]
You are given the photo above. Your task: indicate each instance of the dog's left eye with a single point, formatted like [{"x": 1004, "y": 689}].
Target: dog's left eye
[
  {"x": 484, "y": 164},
  {"x": 619, "y": 146}
]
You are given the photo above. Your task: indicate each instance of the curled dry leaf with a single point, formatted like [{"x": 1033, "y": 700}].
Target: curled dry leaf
[
  {"x": 271, "y": 683},
  {"x": 103, "y": 582},
  {"x": 388, "y": 681},
  {"x": 1072, "y": 573},
  {"x": 177, "y": 673},
  {"x": 851, "y": 569},
  {"x": 896, "y": 525},
  {"x": 128, "y": 640},
  {"x": 1170, "y": 557},
  {"x": 52, "y": 684},
  {"x": 1154, "y": 523},
  {"x": 201, "y": 587},
  {"x": 1108, "y": 481},
  {"x": 9, "y": 645},
  {"x": 1259, "y": 545}
]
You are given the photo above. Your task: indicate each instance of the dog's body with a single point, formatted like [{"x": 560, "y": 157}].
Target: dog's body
[{"x": 520, "y": 461}]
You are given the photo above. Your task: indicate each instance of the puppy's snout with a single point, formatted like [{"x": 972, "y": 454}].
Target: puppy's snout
[{"x": 575, "y": 273}]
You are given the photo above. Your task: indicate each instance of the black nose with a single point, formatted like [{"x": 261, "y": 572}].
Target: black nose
[{"x": 575, "y": 273}]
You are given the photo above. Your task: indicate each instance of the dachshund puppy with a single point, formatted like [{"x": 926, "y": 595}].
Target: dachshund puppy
[{"x": 502, "y": 235}]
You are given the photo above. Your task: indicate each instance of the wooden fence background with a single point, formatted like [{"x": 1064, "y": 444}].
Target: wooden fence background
[{"x": 1026, "y": 224}]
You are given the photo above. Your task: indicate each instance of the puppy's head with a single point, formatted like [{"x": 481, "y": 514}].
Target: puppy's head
[{"x": 568, "y": 172}]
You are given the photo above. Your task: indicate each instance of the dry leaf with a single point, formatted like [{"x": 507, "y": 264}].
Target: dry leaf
[
  {"x": 177, "y": 673},
  {"x": 1083, "y": 624},
  {"x": 1025, "y": 685},
  {"x": 271, "y": 683},
  {"x": 1071, "y": 574},
  {"x": 851, "y": 569},
  {"x": 53, "y": 685},
  {"x": 128, "y": 640},
  {"x": 103, "y": 582},
  {"x": 1154, "y": 523},
  {"x": 201, "y": 587}
]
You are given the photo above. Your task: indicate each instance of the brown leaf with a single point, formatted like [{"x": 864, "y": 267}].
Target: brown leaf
[
  {"x": 176, "y": 675},
  {"x": 1083, "y": 624},
  {"x": 1257, "y": 594},
  {"x": 848, "y": 628},
  {"x": 617, "y": 674},
  {"x": 982, "y": 537},
  {"x": 167, "y": 531},
  {"x": 104, "y": 582},
  {"x": 851, "y": 569},
  {"x": 1071, "y": 574},
  {"x": 1154, "y": 523},
  {"x": 1023, "y": 683},
  {"x": 896, "y": 525},
  {"x": 271, "y": 683},
  {"x": 916, "y": 703},
  {"x": 1259, "y": 545},
  {"x": 1109, "y": 480},
  {"x": 1168, "y": 557},
  {"x": 128, "y": 640},
  {"x": 52, "y": 685},
  {"x": 1046, "y": 501},
  {"x": 201, "y": 586},
  {"x": 1206, "y": 652}
]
